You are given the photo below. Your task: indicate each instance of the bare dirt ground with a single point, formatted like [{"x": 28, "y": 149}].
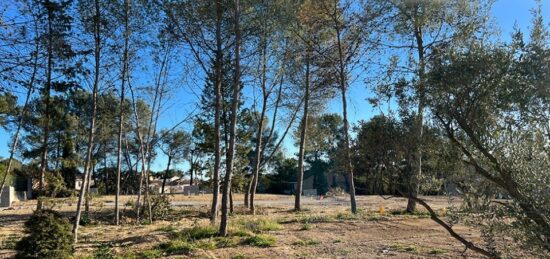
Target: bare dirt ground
[{"x": 325, "y": 229}]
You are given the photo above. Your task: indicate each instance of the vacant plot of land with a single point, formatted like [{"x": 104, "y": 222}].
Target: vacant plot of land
[{"x": 325, "y": 229}]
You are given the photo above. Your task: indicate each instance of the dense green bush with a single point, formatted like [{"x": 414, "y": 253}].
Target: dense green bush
[{"x": 49, "y": 236}]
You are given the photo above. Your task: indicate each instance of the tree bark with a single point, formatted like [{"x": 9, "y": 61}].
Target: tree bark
[
  {"x": 217, "y": 108},
  {"x": 97, "y": 53},
  {"x": 233, "y": 127},
  {"x": 303, "y": 135}
]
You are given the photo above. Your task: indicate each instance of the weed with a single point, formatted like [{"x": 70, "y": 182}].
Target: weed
[{"x": 239, "y": 256}]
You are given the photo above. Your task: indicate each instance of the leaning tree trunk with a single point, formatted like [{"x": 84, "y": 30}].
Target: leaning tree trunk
[
  {"x": 87, "y": 166},
  {"x": 303, "y": 135},
  {"x": 233, "y": 128},
  {"x": 217, "y": 109},
  {"x": 22, "y": 117}
]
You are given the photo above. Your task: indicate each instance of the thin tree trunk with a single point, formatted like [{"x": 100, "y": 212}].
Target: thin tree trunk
[
  {"x": 121, "y": 109},
  {"x": 44, "y": 157},
  {"x": 303, "y": 135},
  {"x": 414, "y": 186},
  {"x": 217, "y": 89},
  {"x": 92, "y": 120},
  {"x": 343, "y": 89},
  {"x": 247, "y": 193},
  {"x": 233, "y": 128},
  {"x": 231, "y": 207},
  {"x": 143, "y": 160},
  {"x": 166, "y": 174},
  {"x": 259, "y": 132}
]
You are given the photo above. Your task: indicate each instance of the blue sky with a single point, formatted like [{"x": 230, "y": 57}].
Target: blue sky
[{"x": 506, "y": 14}]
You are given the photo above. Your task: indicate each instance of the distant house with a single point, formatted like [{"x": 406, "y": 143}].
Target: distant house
[
  {"x": 19, "y": 190},
  {"x": 173, "y": 185},
  {"x": 79, "y": 180}
]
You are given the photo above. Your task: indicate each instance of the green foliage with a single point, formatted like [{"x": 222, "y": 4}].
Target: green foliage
[
  {"x": 260, "y": 241},
  {"x": 49, "y": 236}
]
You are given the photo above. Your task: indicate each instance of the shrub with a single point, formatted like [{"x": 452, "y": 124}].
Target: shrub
[
  {"x": 49, "y": 236},
  {"x": 160, "y": 206}
]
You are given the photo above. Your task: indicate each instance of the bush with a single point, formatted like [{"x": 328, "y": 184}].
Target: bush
[
  {"x": 49, "y": 236},
  {"x": 160, "y": 206}
]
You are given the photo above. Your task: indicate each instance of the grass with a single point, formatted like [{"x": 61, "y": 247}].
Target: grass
[
  {"x": 404, "y": 248},
  {"x": 177, "y": 246},
  {"x": 260, "y": 241},
  {"x": 152, "y": 253},
  {"x": 199, "y": 232},
  {"x": 307, "y": 242},
  {"x": 417, "y": 249},
  {"x": 258, "y": 225},
  {"x": 437, "y": 251},
  {"x": 305, "y": 226},
  {"x": 167, "y": 229},
  {"x": 416, "y": 213},
  {"x": 315, "y": 219}
]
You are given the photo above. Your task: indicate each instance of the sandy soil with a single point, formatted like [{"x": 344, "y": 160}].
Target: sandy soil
[{"x": 375, "y": 235}]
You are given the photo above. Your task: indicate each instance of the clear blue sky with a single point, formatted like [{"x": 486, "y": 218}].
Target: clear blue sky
[{"x": 507, "y": 13}]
